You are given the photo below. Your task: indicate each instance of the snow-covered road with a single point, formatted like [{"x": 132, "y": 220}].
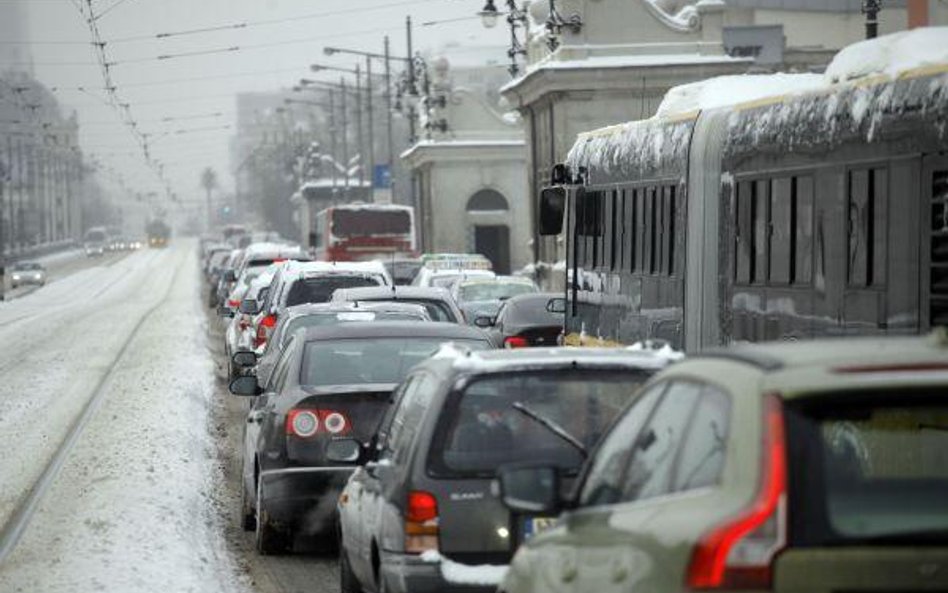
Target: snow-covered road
[{"x": 134, "y": 507}]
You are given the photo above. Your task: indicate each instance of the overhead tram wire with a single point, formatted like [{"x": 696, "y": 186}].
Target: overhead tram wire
[
  {"x": 122, "y": 108},
  {"x": 270, "y": 22}
]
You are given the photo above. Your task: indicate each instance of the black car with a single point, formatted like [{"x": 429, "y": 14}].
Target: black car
[
  {"x": 330, "y": 382},
  {"x": 421, "y": 516},
  {"x": 527, "y": 320},
  {"x": 317, "y": 314}
]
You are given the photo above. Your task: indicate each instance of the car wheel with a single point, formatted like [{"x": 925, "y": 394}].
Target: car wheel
[
  {"x": 248, "y": 515},
  {"x": 348, "y": 583},
  {"x": 269, "y": 539}
]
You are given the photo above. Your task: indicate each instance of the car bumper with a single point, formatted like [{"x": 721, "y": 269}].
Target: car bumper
[
  {"x": 404, "y": 573},
  {"x": 304, "y": 496}
]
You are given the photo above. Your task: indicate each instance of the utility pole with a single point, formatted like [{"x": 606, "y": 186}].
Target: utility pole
[
  {"x": 388, "y": 107},
  {"x": 371, "y": 130},
  {"x": 345, "y": 138},
  {"x": 360, "y": 137},
  {"x": 411, "y": 82},
  {"x": 332, "y": 134}
]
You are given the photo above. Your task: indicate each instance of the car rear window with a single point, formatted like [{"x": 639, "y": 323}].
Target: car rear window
[
  {"x": 533, "y": 312},
  {"x": 370, "y": 360},
  {"x": 496, "y": 420},
  {"x": 489, "y": 291},
  {"x": 869, "y": 470},
  {"x": 336, "y": 317},
  {"x": 319, "y": 290},
  {"x": 437, "y": 310}
]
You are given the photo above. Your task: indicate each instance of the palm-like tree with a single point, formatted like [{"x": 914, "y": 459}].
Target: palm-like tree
[{"x": 209, "y": 183}]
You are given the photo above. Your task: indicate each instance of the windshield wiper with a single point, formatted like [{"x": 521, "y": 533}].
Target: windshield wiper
[{"x": 552, "y": 427}]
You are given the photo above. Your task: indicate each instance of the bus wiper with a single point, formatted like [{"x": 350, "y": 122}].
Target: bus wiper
[{"x": 552, "y": 427}]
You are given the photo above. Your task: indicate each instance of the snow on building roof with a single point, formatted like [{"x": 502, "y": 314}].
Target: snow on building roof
[{"x": 625, "y": 61}]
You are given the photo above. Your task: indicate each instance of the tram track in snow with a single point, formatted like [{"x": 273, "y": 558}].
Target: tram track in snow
[{"x": 19, "y": 520}]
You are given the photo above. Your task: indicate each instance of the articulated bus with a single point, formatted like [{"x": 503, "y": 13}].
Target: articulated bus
[
  {"x": 359, "y": 232},
  {"x": 819, "y": 212}
]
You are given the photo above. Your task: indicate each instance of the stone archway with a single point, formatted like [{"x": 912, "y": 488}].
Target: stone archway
[{"x": 491, "y": 236}]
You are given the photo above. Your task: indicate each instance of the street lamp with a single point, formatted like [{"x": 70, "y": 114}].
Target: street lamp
[
  {"x": 516, "y": 19},
  {"x": 489, "y": 15}
]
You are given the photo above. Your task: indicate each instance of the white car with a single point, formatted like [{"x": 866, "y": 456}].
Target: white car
[{"x": 27, "y": 273}]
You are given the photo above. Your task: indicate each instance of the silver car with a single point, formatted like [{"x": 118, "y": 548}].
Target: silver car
[{"x": 27, "y": 273}]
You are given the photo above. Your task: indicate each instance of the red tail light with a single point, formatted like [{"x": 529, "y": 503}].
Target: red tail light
[
  {"x": 515, "y": 342},
  {"x": 306, "y": 423},
  {"x": 421, "y": 522},
  {"x": 739, "y": 553},
  {"x": 233, "y": 303},
  {"x": 263, "y": 330}
]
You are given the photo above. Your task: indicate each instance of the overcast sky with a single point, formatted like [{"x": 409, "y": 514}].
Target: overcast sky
[{"x": 281, "y": 39}]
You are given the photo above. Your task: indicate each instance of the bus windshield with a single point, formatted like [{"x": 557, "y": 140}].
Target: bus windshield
[{"x": 365, "y": 221}]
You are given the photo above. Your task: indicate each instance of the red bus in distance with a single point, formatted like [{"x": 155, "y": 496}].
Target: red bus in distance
[{"x": 361, "y": 232}]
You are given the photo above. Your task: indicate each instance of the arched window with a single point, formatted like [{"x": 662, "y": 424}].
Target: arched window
[{"x": 487, "y": 200}]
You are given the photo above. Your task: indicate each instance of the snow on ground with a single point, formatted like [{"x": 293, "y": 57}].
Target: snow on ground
[
  {"x": 55, "y": 346},
  {"x": 136, "y": 506}
]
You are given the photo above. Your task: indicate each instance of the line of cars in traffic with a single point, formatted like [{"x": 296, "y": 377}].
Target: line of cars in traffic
[{"x": 426, "y": 445}]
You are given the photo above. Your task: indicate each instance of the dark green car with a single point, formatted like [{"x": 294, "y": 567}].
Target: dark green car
[{"x": 808, "y": 466}]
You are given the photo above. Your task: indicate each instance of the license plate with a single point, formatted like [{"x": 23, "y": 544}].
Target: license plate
[{"x": 535, "y": 525}]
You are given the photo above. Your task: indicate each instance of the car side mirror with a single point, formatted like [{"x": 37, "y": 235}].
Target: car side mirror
[
  {"x": 224, "y": 311},
  {"x": 556, "y": 305},
  {"x": 244, "y": 358},
  {"x": 485, "y": 321},
  {"x": 245, "y": 385},
  {"x": 344, "y": 451},
  {"x": 530, "y": 489},
  {"x": 552, "y": 207},
  {"x": 249, "y": 307}
]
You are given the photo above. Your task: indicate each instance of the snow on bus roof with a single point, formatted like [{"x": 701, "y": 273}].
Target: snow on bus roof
[
  {"x": 889, "y": 56},
  {"x": 371, "y": 206}
]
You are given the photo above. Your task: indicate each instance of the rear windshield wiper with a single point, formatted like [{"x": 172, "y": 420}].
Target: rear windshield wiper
[{"x": 552, "y": 427}]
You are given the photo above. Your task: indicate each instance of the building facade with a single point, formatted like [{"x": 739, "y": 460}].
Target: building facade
[
  {"x": 467, "y": 171},
  {"x": 41, "y": 170}
]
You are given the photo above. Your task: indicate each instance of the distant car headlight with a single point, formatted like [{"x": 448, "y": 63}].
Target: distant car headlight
[{"x": 16, "y": 276}]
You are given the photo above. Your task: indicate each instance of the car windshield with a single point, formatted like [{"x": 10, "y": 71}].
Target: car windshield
[
  {"x": 869, "y": 470},
  {"x": 337, "y": 317},
  {"x": 370, "y": 360},
  {"x": 24, "y": 267},
  {"x": 494, "y": 420},
  {"x": 490, "y": 291},
  {"x": 320, "y": 289}
]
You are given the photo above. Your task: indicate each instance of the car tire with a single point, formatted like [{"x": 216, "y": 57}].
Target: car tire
[
  {"x": 348, "y": 583},
  {"x": 268, "y": 539},
  {"x": 248, "y": 515}
]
